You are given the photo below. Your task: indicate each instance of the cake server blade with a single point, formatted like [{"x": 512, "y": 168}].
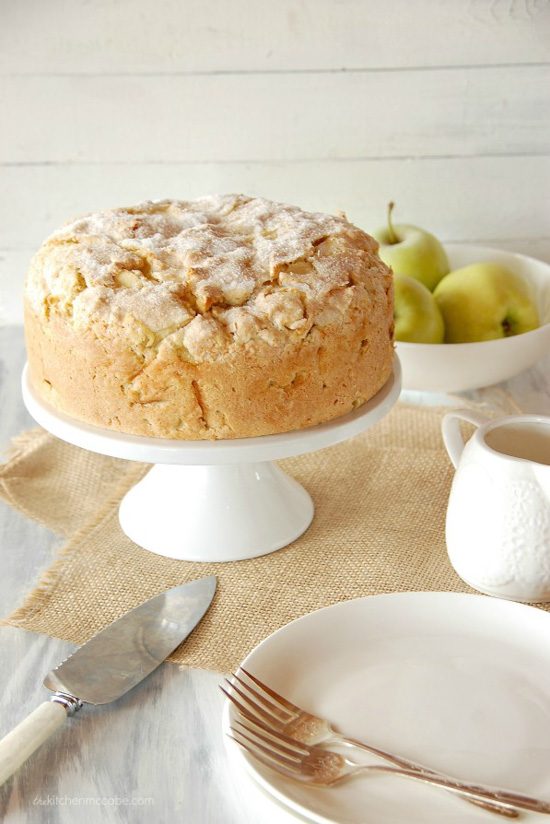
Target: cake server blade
[{"x": 110, "y": 664}]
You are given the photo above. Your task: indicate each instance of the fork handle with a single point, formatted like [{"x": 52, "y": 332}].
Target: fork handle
[
  {"x": 491, "y": 807},
  {"x": 387, "y": 756},
  {"x": 474, "y": 791},
  {"x": 404, "y": 763}
]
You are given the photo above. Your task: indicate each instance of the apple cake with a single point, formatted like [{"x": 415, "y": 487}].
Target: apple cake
[{"x": 222, "y": 317}]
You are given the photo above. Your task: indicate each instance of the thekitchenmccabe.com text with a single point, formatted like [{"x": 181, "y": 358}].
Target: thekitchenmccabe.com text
[{"x": 92, "y": 801}]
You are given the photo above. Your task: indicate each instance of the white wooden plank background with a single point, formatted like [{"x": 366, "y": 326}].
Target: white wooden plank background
[
  {"x": 168, "y": 36},
  {"x": 303, "y": 116},
  {"x": 442, "y": 105}
]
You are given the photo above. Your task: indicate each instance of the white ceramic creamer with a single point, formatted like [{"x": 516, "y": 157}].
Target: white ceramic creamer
[{"x": 498, "y": 517}]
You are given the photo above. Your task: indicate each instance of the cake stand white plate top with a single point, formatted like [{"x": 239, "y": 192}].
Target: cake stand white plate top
[{"x": 222, "y": 500}]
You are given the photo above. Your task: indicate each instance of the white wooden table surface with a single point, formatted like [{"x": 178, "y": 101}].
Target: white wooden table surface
[{"x": 161, "y": 746}]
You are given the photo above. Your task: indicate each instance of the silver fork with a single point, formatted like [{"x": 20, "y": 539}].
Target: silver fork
[
  {"x": 260, "y": 702},
  {"x": 325, "y": 768},
  {"x": 281, "y": 714}
]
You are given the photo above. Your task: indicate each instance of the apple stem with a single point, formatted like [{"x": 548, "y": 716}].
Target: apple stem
[{"x": 392, "y": 237}]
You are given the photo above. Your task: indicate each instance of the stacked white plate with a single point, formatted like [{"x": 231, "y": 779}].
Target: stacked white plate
[{"x": 460, "y": 683}]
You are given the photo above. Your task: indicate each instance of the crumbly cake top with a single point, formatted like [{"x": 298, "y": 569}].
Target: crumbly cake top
[{"x": 203, "y": 274}]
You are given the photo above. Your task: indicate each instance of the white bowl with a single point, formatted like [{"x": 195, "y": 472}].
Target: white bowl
[{"x": 458, "y": 367}]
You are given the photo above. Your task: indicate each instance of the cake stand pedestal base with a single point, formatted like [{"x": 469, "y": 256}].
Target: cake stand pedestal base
[
  {"x": 214, "y": 500},
  {"x": 216, "y": 513}
]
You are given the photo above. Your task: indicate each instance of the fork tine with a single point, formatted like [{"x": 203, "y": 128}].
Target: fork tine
[
  {"x": 275, "y": 708},
  {"x": 282, "y": 742},
  {"x": 273, "y": 765},
  {"x": 290, "y": 763},
  {"x": 282, "y": 702},
  {"x": 241, "y": 708},
  {"x": 257, "y": 715},
  {"x": 257, "y": 709},
  {"x": 260, "y": 727}
]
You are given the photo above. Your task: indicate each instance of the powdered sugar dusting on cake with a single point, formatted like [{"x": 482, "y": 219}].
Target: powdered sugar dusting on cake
[{"x": 164, "y": 262}]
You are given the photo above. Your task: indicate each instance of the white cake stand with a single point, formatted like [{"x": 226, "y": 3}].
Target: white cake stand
[{"x": 214, "y": 500}]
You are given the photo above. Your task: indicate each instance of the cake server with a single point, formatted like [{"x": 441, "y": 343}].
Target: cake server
[{"x": 110, "y": 664}]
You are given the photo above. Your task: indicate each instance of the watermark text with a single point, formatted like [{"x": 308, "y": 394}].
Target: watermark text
[{"x": 92, "y": 801}]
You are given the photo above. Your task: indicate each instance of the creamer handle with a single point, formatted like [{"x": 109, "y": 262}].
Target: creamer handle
[{"x": 452, "y": 436}]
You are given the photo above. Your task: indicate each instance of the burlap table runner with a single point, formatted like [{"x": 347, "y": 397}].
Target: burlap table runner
[{"x": 380, "y": 502}]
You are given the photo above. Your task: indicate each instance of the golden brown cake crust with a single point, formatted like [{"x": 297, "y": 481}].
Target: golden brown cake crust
[{"x": 224, "y": 317}]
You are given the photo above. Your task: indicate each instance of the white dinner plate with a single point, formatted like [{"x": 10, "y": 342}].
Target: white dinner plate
[{"x": 460, "y": 683}]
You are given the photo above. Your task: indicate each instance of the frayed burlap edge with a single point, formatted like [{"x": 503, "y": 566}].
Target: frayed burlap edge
[
  {"x": 16, "y": 451},
  {"x": 52, "y": 574}
]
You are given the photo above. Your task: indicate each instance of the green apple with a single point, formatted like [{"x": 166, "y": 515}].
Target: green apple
[
  {"x": 416, "y": 314},
  {"x": 412, "y": 251},
  {"x": 485, "y": 301}
]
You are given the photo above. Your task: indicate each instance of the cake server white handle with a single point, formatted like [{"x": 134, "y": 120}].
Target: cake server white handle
[{"x": 19, "y": 744}]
